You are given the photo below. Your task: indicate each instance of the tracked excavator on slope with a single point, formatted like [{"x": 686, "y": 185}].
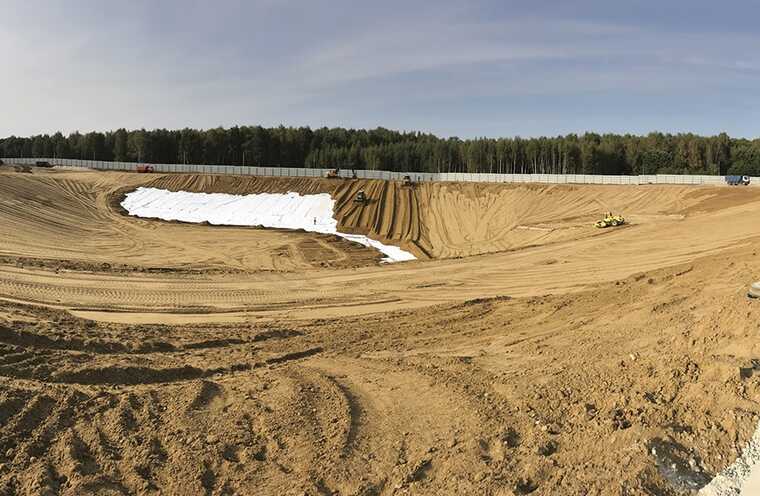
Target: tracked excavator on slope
[{"x": 361, "y": 197}]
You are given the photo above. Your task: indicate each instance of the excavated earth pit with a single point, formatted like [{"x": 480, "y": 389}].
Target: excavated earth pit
[
  {"x": 525, "y": 352},
  {"x": 310, "y": 213}
]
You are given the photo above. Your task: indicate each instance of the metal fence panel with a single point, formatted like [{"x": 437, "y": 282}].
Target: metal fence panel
[{"x": 641, "y": 179}]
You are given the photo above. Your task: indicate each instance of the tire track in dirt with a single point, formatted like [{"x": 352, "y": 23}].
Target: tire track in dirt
[
  {"x": 491, "y": 395},
  {"x": 69, "y": 215},
  {"x": 480, "y": 214},
  {"x": 520, "y": 273}
]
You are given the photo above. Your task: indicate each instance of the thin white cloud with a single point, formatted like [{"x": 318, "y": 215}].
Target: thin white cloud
[{"x": 101, "y": 66}]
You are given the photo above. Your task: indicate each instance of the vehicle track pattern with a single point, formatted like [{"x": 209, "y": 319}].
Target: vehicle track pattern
[{"x": 547, "y": 369}]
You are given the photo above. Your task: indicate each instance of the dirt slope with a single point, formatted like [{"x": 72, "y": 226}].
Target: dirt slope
[
  {"x": 594, "y": 362},
  {"x": 445, "y": 220},
  {"x": 67, "y": 220},
  {"x": 605, "y": 391},
  {"x": 67, "y": 223},
  {"x": 242, "y": 185}
]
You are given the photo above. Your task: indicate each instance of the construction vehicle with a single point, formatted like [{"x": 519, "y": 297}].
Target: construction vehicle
[
  {"x": 738, "y": 180},
  {"x": 361, "y": 197},
  {"x": 333, "y": 174},
  {"x": 43, "y": 163},
  {"x": 610, "y": 220},
  {"x": 145, "y": 168},
  {"x": 407, "y": 182}
]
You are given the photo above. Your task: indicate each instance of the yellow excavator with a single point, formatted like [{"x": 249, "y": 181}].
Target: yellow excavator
[{"x": 610, "y": 220}]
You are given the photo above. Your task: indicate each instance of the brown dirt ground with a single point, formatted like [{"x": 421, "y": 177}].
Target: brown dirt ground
[{"x": 550, "y": 360}]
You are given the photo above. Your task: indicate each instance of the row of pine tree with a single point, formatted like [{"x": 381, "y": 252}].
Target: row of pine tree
[{"x": 383, "y": 149}]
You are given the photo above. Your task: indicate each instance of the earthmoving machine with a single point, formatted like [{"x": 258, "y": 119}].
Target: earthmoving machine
[
  {"x": 145, "y": 168},
  {"x": 361, "y": 197},
  {"x": 738, "y": 180},
  {"x": 610, "y": 220},
  {"x": 333, "y": 174},
  {"x": 407, "y": 182}
]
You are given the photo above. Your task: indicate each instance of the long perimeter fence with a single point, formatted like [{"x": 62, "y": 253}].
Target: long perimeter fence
[{"x": 387, "y": 175}]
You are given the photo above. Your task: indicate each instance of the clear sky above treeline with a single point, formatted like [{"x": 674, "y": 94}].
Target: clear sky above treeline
[{"x": 481, "y": 68}]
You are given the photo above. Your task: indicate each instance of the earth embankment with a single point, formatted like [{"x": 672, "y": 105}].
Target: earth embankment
[{"x": 450, "y": 220}]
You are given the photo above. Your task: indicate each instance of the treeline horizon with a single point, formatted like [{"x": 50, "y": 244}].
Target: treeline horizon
[{"x": 384, "y": 149}]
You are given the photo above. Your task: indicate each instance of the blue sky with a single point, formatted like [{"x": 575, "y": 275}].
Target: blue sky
[{"x": 476, "y": 68}]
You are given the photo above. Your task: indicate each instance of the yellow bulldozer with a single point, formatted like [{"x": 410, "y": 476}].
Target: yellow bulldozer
[{"x": 610, "y": 220}]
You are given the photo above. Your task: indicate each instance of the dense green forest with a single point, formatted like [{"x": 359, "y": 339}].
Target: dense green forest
[{"x": 384, "y": 149}]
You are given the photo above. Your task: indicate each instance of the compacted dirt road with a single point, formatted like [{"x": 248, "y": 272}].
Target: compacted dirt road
[{"x": 525, "y": 352}]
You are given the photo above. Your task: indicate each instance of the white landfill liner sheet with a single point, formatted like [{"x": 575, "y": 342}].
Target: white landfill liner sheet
[
  {"x": 741, "y": 478},
  {"x": 313, "y": 213}
]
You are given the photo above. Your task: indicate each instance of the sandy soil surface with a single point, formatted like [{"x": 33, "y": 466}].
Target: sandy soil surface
[
  {"x": 451, "y": 220},
  {"x": 568, "y": 361},
  {"x": 72, "y": 220}
]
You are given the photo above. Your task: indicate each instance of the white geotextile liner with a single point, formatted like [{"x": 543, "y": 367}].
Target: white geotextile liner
[
  {"x": 741, "y": 478},
  {"x": 313, "y": 213}
]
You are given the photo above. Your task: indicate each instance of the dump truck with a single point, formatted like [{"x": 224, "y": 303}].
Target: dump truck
[
  {"x": 738, "y": 180},
  {"x": 145, "y": 168}
]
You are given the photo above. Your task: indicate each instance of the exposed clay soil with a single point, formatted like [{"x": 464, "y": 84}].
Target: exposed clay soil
[{"x": 580, "y": 362}]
